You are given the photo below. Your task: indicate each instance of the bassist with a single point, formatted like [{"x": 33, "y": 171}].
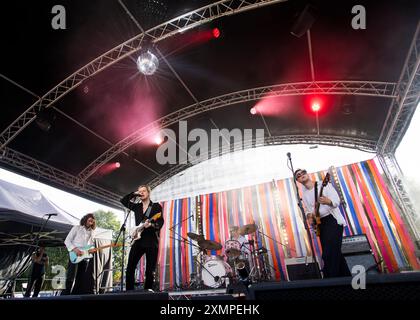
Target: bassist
[
  {"x": 148, "y": 243},
  {"x": 331, "y": 223},
  {"x": 80, "y": 274}
]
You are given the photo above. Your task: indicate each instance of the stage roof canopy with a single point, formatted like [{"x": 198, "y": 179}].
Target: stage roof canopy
[{"x": 84, "y": 81}]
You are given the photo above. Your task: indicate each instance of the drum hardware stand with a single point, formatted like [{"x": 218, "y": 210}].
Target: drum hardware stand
[
  {"x": 278, "y": 242},
  {"x": 201, "y": 267}
]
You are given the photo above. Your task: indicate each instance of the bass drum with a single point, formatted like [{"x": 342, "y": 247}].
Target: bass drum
[{"x": 215, "y": 272}]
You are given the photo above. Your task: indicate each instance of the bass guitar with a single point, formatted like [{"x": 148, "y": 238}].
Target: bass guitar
[{"x": 88, "y": 251}]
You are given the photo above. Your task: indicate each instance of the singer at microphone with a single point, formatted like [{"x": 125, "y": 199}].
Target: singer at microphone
[{"x": 149, "y": 215}]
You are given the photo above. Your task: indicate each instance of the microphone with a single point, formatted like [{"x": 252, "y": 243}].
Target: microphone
[
  {"x": 216, "y": 278},
  {"x": 51, "y": 214},
  {"x": 289, "y": 155}
]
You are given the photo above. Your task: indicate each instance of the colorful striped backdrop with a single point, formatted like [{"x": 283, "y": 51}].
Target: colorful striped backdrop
[{"x": 370, "y": 210}]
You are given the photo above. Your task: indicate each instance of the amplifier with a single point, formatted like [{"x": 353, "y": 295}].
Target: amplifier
[
  {"x": 355, "y": 244},
  {"x": 301, "y": 268}
]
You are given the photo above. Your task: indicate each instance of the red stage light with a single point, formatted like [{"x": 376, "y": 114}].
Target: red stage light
[
  {"x": 117, "y": 165},
  {"x": 316, "y": 106},
  {"x": 253, "y": 110},
  {"x": 216, "y": 32}
]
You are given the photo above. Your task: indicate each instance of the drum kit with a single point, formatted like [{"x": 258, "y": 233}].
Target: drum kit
[{"x": 242, "y": 260}]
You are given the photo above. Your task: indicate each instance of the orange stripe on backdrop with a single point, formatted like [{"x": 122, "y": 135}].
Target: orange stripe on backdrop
[
  {"x": 184, "y": 229},
  {"x": 286, "y": 216},
  {"x": 360, "y": 212},
  {"x": 207, "y": 215},
  {"x": 221, "y": 219},
  {"x": 277, "y": 230},
  {"x": 216, "y": 228},
  {"x": 248, "y": 206},
  {"x": 407, "y": 243},
  {"x": 382, "y": 239},
  {"x": 267, "y": 230},
  {"x": 225, "y": 213}
]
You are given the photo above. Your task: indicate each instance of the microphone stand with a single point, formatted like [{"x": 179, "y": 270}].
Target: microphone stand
[
  {"x": 122, "y": 231},
  {"x": 305, "y": 222}
]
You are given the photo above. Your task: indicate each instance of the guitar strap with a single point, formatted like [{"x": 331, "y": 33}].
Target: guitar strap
[
  {"x": 316, "y": 191},
  {"x": 147, "y": 213}
]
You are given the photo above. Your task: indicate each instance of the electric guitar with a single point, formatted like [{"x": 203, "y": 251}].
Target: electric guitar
[
  {"x": 88, "y": 251},
  {"x": 137, "y": 231},
  {"x": 317, "y": 219}
]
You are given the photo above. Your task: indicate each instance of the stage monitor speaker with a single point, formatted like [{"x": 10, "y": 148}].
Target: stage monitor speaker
[
  {"x": 302, "y": 268},
  {"x": 380, "y": 287},
  {"x": 367, "y": 260},
  {"x": 356, "y": 244},
  {"x": 304, "y": 22}
]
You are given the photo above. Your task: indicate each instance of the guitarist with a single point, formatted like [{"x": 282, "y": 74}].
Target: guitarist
[
  {"x": 149, "y": 241},
  {"x": 331, "y": 227},
  {"x": 80, "y": 274}
]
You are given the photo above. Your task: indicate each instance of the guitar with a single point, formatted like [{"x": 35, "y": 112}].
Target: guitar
[
  {"x": 88, "y": 252},
  {"x": 317, "y": 219},
  {"x": 137, "y": 231}
]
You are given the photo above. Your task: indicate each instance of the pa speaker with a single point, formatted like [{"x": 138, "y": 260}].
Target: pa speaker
[
  {"x": 301, "y": 268},
  {"x": 367, "y": 260}
]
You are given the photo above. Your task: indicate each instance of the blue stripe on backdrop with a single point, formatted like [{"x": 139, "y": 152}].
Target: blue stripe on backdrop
[
  {"x": 350, "y": 206},
  {"x": 384, "y": 218}
]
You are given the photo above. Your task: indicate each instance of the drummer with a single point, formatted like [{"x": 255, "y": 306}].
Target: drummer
[{"x": 236, "y": 235}]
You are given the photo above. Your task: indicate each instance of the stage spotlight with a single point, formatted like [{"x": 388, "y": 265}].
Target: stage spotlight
[
  {"x": 44, "y": 119},
  {"x": 216, "y": 33},
  {"x": 117, "y": 165},
  {"x": 316, "y": 106},
  {"x": 253, "y": 110},
  {"x": 147, "y": 63},
  {"x": 158, "y": 140}
]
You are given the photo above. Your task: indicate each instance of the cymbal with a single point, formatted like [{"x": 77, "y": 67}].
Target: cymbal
[
  {"x": 248, "y": 229},
  {"x": 209, "y": 245},
  {"x": 194, "y": 236}
]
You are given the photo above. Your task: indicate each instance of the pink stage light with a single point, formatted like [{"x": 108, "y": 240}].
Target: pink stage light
[
  {"x": 253, "y": 110},
  {"x": 158, "y": 140}
]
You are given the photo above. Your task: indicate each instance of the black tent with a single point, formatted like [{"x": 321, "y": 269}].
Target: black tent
[{"x": 27, "y": 218}]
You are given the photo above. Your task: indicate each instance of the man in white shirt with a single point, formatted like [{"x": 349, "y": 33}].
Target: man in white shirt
[
  {"x": 331, "y": 227},
  {"x": 81, "y": 274}
]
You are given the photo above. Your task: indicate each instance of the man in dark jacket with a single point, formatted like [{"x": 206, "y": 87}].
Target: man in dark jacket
[{"x": 148, "y": 215}]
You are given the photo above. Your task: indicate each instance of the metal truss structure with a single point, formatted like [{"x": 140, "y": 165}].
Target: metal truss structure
[
  {"x": 405, "y": 103},
  {"x": 398, "y": 186},
  {"x": 364, "y": 88},
  {"x": 339, "y": 141},
  {"x": 45, "y": 171},
  {"x": 167, "y": 29}
]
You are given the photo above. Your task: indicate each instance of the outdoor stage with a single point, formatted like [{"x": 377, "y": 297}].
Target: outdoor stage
[{"x": 403, "y": 287}]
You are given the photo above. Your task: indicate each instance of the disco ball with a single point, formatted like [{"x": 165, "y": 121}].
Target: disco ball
[{"x": 147, "y": 63}]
